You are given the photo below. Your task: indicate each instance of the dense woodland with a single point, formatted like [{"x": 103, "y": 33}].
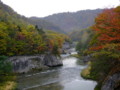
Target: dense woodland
[
  {"x": 18, "y": 37},
  {"x": 30, "y": 36},
  {"x": 83, "y": 37},
  {"x": 104, "y": 47}
]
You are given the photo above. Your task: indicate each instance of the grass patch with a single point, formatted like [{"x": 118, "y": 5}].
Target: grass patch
[
  {"x": 86, "y": 72},
  {"x": 9, "y": 85},
  {"x": 75, "y": 55},
  {"x": 86, "y": 75}
]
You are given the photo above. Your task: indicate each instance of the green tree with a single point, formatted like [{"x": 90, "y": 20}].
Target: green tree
[{"x": 5, "y": 68}]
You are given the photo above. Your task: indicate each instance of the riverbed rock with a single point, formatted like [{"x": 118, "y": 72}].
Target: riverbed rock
[
  {"x": 52, "y": 60},
  {"x": 24, "y": 64},
  {"x": 87, "y": 58},
  {"x": 112, "y": 82},
  {"x": 66, "y": 48}
]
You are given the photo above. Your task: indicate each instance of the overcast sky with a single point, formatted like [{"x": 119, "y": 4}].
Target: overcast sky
[{"x": 43, "y": 8}]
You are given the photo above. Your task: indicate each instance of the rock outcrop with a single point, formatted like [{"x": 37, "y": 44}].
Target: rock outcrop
[
  {"x": 23, "y": 64},
  {"x": 52, "y": 61},
  {"x": 112, "y": 82},
  {"x": 87, "y": 58},
  {"x": 66, "y": 48}
]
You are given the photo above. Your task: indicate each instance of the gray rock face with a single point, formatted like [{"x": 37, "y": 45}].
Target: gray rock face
[
  {"x": 66, "y": 48},
  {"x": 52, "y": 61},
  {"x": 87, "y": 58},
  {"x": 111, "y": 82},
  {"x": 28, "y": 63}
]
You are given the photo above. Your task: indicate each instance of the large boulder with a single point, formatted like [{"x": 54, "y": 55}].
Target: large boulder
[
  {"x": 52, "y": 60},
  {"x": 24, "y": 64}
]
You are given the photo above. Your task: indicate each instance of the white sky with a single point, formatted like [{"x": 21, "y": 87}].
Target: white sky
[{"x": 43, "y": 8}]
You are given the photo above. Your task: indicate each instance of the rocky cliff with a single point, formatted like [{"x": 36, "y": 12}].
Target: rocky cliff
[
  {"x": 112, "y": 83},
  {"x": 23, "y": 64}
]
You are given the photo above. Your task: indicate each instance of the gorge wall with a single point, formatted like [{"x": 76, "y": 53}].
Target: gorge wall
[{"x": 24, "y": 64}]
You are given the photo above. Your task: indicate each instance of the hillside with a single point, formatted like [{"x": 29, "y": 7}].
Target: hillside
[
  {"x": 11, "y": 16},
  {"x": 61, "y": 22},
  {"x": 19, "y": 38},
  {"x": 7, "y": 14},
  {"x": 72, "y": 21},
  {"x": 17, "y": 33},
  {"x": 80, "y": 34},
  {"x": 45, "y": 24}
]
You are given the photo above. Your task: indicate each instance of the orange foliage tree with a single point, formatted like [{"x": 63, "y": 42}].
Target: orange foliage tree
[{"x": 107, "y": 29}]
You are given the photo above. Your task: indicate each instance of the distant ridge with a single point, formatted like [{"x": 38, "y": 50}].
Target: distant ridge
[
  {"x": 45, "y": 24},
  {"x": 7, "y": 13},
  {"x": 70, "y": 21},
  {"x": 61, "y": 22}
]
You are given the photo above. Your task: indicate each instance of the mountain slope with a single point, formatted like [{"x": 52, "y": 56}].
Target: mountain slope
[
  {"x": 9, "y": 15},
  {"x": 41, "y": 23},
  {"x": 74, "y": 21},
  {"x": 61, "y": 22},
  {"x": 19, "y": 37}
]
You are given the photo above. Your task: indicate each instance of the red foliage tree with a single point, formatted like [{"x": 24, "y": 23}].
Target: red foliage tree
[{"x": 107, "y": 27}]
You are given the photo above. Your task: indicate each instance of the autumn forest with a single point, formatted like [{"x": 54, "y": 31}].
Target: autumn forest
[{"x": 93, "y": 33}]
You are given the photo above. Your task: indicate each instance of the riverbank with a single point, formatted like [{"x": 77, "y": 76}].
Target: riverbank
[
  {"x": 98, "y": 70},
  {"x": 75, "y": 55},
  {"x": 86, "y": 75},
  {"x": 9, "y": 85},
  {"x": 86, "y": 72},
  {"x": 25, "y": 64},
  {"x": 66, "y": 77}
]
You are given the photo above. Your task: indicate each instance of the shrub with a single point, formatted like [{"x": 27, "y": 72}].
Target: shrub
[{"x": 5, "y": 68}]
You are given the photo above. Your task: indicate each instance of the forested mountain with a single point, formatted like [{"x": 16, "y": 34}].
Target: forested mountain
[
  {"x": 7, "y": 14},
  {"x": 11, "y": 16},
  {"x": 19, "y": 37},
  {"x": 61, "y": 22},
  {"x": 73, "y": 21},
  {"x": 80, "y": 34},
  {"x": 45, "y": 24}
]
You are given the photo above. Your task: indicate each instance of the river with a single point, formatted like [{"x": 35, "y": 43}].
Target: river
[{"x": 66, "y": 77}]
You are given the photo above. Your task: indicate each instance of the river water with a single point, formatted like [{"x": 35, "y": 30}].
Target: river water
[{"x": 66, "y": 77}]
